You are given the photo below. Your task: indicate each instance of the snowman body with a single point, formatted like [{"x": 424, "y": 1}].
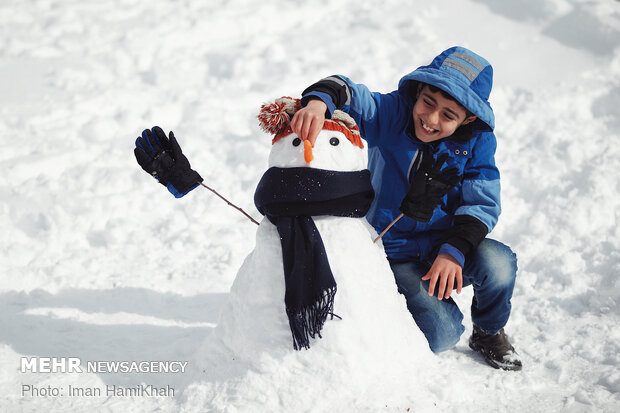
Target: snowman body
[{"x": 373, "y": 346}]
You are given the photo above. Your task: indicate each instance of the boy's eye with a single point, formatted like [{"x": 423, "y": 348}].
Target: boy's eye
[
  {"x": 427, "y": 102},
  {"x": 449, "y": 117}
]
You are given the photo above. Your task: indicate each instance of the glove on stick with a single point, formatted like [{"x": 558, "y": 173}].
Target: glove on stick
[
  {"x": 162, "y": 157},
  {"x": 428, "y": 185}
]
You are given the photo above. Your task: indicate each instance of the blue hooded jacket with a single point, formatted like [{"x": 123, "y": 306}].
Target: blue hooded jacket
[{"x": 385, "y": 122}]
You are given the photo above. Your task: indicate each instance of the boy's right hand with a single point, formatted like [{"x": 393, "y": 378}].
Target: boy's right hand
[{"x": 308, "y": 121}]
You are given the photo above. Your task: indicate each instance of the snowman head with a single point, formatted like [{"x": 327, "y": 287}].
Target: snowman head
[{"x": 338, "y": 146}]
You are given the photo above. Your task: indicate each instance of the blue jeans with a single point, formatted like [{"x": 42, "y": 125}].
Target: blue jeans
[{"x": 491, "y": 269}]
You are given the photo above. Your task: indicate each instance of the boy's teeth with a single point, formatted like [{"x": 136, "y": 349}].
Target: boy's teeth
[{"x": 427, "y": 128}]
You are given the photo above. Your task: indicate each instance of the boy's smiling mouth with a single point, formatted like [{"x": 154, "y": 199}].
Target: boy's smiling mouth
[{"x": 426, "y": 128}]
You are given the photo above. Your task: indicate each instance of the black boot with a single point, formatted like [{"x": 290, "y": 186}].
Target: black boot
[{"x": 496, "y": 349}]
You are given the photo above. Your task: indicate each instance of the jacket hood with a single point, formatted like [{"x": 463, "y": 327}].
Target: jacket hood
[{"x": 463, "y": 74}]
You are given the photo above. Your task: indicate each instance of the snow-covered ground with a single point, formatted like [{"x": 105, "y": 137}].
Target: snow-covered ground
[{"x": 101, "y": 263}]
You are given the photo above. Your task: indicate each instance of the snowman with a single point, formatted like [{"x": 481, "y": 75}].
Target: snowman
[{"x": 314, "y": 309}]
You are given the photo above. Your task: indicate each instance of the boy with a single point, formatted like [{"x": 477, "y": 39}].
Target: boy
[{"x": 439, "y": 114}]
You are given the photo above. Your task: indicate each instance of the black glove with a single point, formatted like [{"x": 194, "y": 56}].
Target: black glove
[
  {"x": 163, "y": 159},
  {"x": 428, "y": 185}
]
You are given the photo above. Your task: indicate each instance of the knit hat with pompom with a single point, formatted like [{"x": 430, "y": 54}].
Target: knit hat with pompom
[{"x": 275, "y": 118}]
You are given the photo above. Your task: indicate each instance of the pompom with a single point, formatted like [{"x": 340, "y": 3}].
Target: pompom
[{"x": 274, "y": 118}]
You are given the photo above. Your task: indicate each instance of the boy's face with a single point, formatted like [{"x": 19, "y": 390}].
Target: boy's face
[{"x": 436, "y": 117}]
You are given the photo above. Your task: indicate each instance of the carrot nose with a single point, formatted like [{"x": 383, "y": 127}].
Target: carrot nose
[{"x": 308, "y": 151}]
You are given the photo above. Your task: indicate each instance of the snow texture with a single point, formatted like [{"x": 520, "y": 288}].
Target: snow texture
[{"x": 100, "y": 262}]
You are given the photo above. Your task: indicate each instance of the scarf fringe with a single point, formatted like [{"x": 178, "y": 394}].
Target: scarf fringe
[{"x": 308, "y": 321}]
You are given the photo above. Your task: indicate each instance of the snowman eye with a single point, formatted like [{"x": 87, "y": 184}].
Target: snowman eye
[
  {"x": 296, "y": 142},
  {"x": 334, "y": 141}
]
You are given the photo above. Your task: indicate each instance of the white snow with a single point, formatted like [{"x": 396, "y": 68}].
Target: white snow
[{"x": 102, "y": 263}]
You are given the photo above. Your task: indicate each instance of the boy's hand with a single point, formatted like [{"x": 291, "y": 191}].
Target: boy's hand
[
  {"x": 308, "y": 122},
  {"x": 446, "y": 268}
]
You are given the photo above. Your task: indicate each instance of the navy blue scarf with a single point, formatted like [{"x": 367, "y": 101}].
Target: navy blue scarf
[{"x": 289, "y": 197}]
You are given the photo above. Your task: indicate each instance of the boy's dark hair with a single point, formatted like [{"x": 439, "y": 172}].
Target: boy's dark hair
[{"x": 435, "y": 89}]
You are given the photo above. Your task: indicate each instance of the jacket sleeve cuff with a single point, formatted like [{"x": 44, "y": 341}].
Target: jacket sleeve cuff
[
  {"x": 180, "y": 194},
  {"x": 331, "y": 107},
  {"x": 466, "y": 234},
  {"x": 454, "y": 252}
]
